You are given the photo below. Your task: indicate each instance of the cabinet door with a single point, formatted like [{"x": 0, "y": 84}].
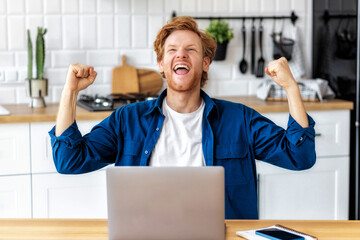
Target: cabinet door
[
  {"x": 15, "y": 197},
  {"x": 14, "y": 149},
  {"x": 321, "y": 192},
  {"x": 41, "y": 152},
  {"x": 332, "y": 131},
  {"x": 70, "y": 196}
]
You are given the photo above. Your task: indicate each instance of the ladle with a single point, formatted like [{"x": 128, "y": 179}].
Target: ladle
[{"x": 243, "y": 66}]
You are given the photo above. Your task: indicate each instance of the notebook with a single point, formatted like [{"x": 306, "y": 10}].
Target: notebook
[
  {"x": 251, "y": 234},
  {"x": 169, "y": 203}
]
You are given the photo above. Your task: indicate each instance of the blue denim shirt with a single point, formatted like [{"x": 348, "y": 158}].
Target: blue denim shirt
[{"x": 233, "y": 136}]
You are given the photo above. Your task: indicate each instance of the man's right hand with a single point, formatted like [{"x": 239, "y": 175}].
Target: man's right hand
[{"x": 79, "y": 77}]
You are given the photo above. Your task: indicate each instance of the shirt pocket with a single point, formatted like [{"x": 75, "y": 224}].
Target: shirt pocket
[
  {"x": 131, "y": 153},
  {"x": 235, "y": 160}
]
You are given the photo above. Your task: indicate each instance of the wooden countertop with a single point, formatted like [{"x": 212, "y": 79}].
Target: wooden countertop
[
  {"x": 77, "y": 229},
  {"x": 21, "y": 113}
]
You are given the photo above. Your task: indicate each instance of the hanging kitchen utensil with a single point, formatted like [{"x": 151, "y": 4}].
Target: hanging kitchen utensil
[
  {"x": 243, "y": 66},
  {"x": 253, "y": 30},
  {"x": 125, "y": 78},
  {"x": 261, "y": 61},
  {"x": 282, "y": 47},
  {"x": 346, "y": 40}
]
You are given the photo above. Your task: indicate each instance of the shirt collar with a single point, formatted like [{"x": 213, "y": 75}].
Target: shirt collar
[{"x": 210, "y": 105}]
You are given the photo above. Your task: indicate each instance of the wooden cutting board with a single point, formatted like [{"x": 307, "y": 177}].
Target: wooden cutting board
[
  {"x": 150, "y": 81},
  {"x": 125, "y": 79}
]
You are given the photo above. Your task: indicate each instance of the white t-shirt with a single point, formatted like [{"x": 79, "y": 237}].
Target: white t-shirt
[{"x": 180, "y": 140}]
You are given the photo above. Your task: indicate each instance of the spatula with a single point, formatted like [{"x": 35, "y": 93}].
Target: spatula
[
  {"x": 125, "y": 79},
  {"x": 261, "y": 61}
]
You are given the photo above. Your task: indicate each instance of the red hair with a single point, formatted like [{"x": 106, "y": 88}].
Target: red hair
[{"x": 185, "y": 23}]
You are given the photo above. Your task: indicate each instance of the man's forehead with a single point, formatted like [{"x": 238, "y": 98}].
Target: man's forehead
[{"x": 183, "y": 37}]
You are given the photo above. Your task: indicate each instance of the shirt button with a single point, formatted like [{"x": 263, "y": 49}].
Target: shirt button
[
  {"x": 157, "y": 129},
  {"x": 146, "y": 151}
]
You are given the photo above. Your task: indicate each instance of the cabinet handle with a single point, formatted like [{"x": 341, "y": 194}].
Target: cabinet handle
[{"x": 317, "y": 134}]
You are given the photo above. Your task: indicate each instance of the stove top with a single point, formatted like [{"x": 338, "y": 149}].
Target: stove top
[{"x": 110, "y": 102}]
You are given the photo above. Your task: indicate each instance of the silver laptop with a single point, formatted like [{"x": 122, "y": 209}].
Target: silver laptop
[{"x": 169, "y": 203}]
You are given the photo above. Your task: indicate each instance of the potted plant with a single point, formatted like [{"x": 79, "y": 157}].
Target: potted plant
[
  {"x": 219, "y": 30},
  {"x": 37, "y": 88}
]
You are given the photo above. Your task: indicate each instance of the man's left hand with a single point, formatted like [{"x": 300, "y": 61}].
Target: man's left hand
[{"x": 279, "y": 71}]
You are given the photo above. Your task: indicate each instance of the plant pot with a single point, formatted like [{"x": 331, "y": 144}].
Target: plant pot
[
  {"x": 36, "y": 89},
  {"x": 220, "y": 53}
]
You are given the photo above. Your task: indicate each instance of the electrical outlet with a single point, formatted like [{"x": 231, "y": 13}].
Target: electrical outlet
[{"x": 2, "y": 75}]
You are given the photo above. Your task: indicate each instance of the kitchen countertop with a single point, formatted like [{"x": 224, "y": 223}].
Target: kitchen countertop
[{"x": 22, "y": 113}]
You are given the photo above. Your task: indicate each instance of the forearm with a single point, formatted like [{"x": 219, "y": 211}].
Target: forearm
[
  {"x": 67, "y": 111},
  {"x": 296, "y": 106}
]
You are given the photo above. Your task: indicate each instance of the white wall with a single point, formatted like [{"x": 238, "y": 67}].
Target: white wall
[{"x": 98, "y": 32}]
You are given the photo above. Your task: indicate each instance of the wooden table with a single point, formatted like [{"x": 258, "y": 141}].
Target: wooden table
[{"x": 97, "y": 228}]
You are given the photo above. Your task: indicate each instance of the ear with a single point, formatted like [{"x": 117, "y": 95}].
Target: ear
[
  {"x": 160, "y": 64},
  {"x": 206, "y": 64}
]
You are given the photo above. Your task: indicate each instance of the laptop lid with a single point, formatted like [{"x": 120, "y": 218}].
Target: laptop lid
[{"x": 169, "y": 203}]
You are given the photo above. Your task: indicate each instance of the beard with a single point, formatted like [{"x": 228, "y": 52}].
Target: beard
[{"x": 184, "y": 85}]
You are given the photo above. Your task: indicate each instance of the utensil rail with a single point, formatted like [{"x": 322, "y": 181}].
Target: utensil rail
[{"x": 293, "y": 17}]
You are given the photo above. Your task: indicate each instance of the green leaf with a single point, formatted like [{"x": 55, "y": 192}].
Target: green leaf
[{"x": 219, "y": 30}]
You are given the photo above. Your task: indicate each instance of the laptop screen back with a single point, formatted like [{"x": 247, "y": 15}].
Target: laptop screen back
[{"x": 166, "y": 203}]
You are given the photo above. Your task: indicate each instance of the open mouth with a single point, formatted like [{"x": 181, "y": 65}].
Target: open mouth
[{"x": 181, "y": 69}]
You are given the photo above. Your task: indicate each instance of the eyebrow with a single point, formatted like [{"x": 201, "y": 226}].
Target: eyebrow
[{"x": 173, "y": 45}]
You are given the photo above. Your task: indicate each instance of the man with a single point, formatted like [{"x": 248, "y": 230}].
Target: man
[{"x": 184, "y": 126}]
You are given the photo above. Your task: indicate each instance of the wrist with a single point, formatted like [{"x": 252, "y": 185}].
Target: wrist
[
  {"x": 69, "y": 92},
  {"x": 69, "y": 97},
  {"x": 292, "y": 88}
]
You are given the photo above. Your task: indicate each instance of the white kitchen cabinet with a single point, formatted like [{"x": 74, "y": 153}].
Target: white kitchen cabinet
[
  {"x": 321, "y": 192},
  {"x": 41, "y": 152},
  {"x": 70, "y": 196},
  {"x": 31, "y": 187},
  {"x": 14, "y": 149},
  {"x": 332, "y": 131},
  {"x": 15, "y": 196}
]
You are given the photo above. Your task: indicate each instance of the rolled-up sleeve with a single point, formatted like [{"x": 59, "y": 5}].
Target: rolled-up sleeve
[
  {"x": 293, "y": 148},
  {"x": 74, "y": 153},
  {"x": 296, "y": 134}
]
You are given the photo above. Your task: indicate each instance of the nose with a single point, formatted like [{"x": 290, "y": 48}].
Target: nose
[{"x": 181, "y": 53}]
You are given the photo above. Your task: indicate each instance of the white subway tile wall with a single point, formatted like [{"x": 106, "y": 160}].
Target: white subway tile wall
[
  {"x": 70, "y": 6},
  {"x": 16, "y": 6},
  {"x": 98, "y": 32},
  {"x": 2, "y": 76},
  {"x": 34, "y": 6},
  {"x": 2, "y": 6},
  {"x": 70, "y": 32},
  {"x": 53, "y": 37},
  {"x": 88, "y": 39},
  {"x": 105, "y": 28},
  {"x": 16, "y": 32},
  {"x": 3, "y": 33},
  {"x": 51, "y": 6}
]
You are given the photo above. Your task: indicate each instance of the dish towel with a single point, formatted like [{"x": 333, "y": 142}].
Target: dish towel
[
  {"x": 297, "y": 63},
  {"x": 310, "y": 90}
]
